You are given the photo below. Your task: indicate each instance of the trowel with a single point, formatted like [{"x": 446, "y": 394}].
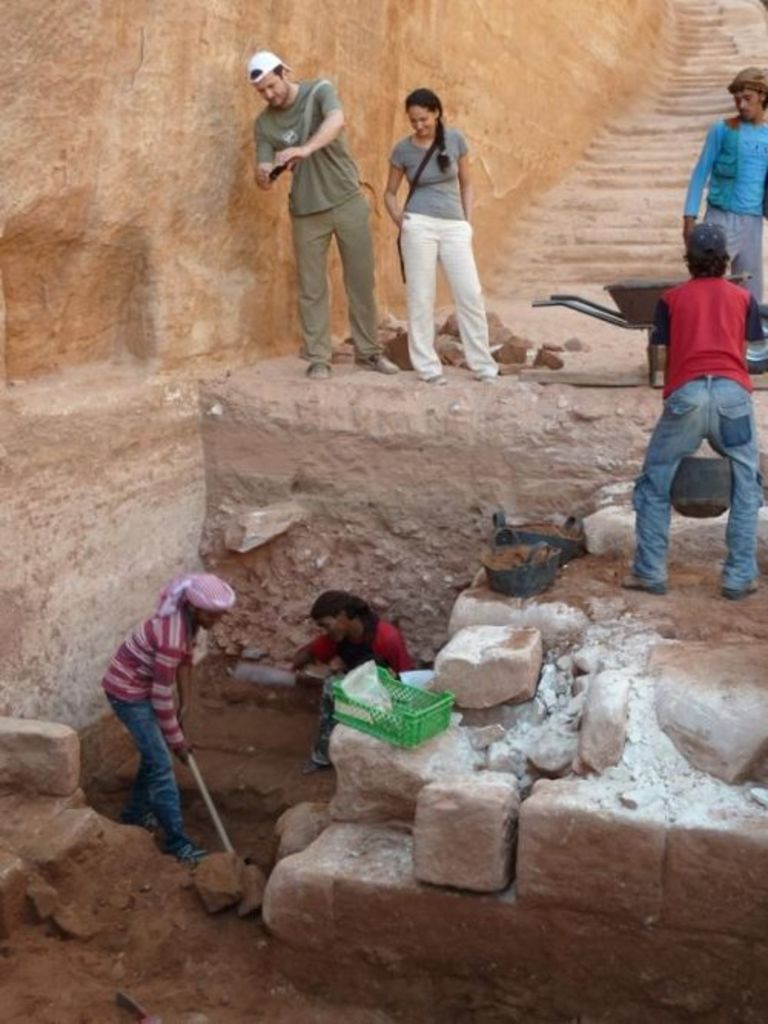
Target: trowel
[
  {"x": 140, "y": 1015},
  {"x": 262, "y": 675},
  {"x": 268, "y": 675}
]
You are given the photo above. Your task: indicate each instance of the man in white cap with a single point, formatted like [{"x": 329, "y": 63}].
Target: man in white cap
[
  {"x": 734, "y": 161},
  {"x": 301, "y": 130}
]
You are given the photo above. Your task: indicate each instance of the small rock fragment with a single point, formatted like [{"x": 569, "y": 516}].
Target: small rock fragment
[
  {"x": 218, "y": 880},
  {"x": 72, "y": 922},
  {"x": 553, "y": 752},
  {"x": 42, "y": 896},
  {"x": 482, "y": 738},
  {"x": 551, "y": 360},
  {"x": 759, "y": 795}
]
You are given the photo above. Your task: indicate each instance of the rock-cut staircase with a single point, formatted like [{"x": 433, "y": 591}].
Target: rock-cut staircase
[{"x": 618, "y": 213}]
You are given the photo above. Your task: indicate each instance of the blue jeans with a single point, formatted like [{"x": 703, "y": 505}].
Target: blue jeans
[
  {"x": 154, "y": 788},
  {"x": 719, "y": 410}
]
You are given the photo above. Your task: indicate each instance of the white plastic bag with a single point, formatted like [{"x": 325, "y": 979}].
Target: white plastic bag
[{"x": 362, "y": 684}]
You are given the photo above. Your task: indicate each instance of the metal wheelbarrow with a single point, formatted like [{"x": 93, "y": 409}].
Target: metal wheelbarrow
[{"x": 636, "y": 300}]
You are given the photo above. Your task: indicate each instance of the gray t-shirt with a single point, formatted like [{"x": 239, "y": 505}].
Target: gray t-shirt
[
  {"x": 328, "y": 177},
  {"x": 437, "y": 193}
]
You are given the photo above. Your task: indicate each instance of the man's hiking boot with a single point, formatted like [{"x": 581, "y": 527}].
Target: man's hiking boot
[
  {"x": 319, "y": 371},
  {"x": 737, "y": 593},
  {"x": 310, "y": 767},
  {"x": 379, "y": 364},
  {"x": 634, "y": 582}
]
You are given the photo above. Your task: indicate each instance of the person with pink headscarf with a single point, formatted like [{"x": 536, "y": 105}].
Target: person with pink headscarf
[{"x": 140, "y": 685}]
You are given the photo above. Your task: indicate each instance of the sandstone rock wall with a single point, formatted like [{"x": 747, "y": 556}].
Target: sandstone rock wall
[
  {"x": 102, "y": 499},
  {"x": 133, "y": 240},
  {"x": 132, "y": 231}
]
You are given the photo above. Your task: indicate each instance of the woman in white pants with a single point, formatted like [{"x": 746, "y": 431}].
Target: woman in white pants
[{"x": 435, "y": 226}]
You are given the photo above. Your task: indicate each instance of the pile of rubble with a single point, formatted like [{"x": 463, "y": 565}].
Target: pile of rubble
[
  {"x": 563, "y": 727},
  {"x": 511, "y": 351}
]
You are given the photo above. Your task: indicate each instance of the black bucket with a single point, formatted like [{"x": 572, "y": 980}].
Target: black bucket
[
  {"x": 569, "y": 539},
  {"x": 701, "y": 488},
  {"x": 535, "y": 571}
]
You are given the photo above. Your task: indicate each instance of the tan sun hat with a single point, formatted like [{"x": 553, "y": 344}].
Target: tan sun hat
[{"x": 750, "y": 78}]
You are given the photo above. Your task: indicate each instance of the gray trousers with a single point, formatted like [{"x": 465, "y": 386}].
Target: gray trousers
[
  {"x": 744, "y": 235},
  {"x": 312, "y": 235}
]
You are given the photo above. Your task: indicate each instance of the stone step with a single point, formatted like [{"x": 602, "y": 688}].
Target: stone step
[
  {"x": 597, "y": 254},
  {"x": 630, "y": 180}
]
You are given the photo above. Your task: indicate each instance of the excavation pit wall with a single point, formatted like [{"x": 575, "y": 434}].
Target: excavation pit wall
[
  {"x": 615, "y": 874},
  {"x": 397, "y": 483}
]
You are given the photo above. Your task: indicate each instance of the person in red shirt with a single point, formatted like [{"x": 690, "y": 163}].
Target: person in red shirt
[
  {"x": 705, "y": 325},
  {"x": 352, "y": 634}
]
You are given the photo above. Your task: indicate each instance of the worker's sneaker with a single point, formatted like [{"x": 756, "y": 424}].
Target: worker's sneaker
[
  {"x": 737, "y": 593},
  {"x": 319, "y": 371},
  {"x": 190, "y": 854},
  {"x": 310, "y": 767},
  {"x": 634, "y": 582},
  {"x": 438, "y": 380},
  {"x": 379, "y": 364},
  {"x": 147, "y": 821}
]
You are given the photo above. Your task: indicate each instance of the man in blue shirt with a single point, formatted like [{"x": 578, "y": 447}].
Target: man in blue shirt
[{"x": 735, "y": 161}]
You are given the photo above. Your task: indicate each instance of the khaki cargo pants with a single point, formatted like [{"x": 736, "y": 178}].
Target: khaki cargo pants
[{"x": 312, "y": 235}]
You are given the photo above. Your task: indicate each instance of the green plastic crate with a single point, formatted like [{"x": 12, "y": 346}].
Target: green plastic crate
[{"x": 416, "y": 716}]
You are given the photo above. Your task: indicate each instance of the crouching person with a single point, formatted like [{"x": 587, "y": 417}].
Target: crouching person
[
  {"x": 139, "y": 685},
  {"x": 705, "y": 325},
  {"x": 352, "y": 633}
]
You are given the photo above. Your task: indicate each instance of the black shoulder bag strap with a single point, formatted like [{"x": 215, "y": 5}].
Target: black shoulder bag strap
[{"x": 411, "y": 190}]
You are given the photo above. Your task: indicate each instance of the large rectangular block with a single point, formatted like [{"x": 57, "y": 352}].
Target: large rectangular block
[
  {"x": 488, "y": 665},
  {"x": 716, "y": 876},
  {"x": 39, "y": 757},
  {"x": 578, "y": 847},
  {"x": 379, "y": 782},
  {"x": 464, "y": 831}
]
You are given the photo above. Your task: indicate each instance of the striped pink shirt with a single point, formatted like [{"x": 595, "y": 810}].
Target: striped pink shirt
[{"x": 144, "y": 668}]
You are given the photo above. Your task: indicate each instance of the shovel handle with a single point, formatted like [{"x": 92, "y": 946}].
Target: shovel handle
[{"x": 222, "y": 833}]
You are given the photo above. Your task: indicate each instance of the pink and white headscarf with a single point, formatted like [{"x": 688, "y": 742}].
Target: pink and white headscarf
[{"x": 203, "y": 590}]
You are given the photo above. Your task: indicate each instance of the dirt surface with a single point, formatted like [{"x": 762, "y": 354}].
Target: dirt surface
[
  {"x": 141, "y": 928},
  {"x": 134, "y": 920}
]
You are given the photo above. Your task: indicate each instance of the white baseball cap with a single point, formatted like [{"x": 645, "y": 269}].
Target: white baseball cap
[{"x": 262, "y": 63}]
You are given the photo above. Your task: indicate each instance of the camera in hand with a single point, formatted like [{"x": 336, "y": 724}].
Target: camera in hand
[{"x": 277, "y": 171}]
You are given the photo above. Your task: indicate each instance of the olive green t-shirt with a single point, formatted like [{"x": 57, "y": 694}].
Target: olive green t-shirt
[{"x": 329, "y": 176}]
